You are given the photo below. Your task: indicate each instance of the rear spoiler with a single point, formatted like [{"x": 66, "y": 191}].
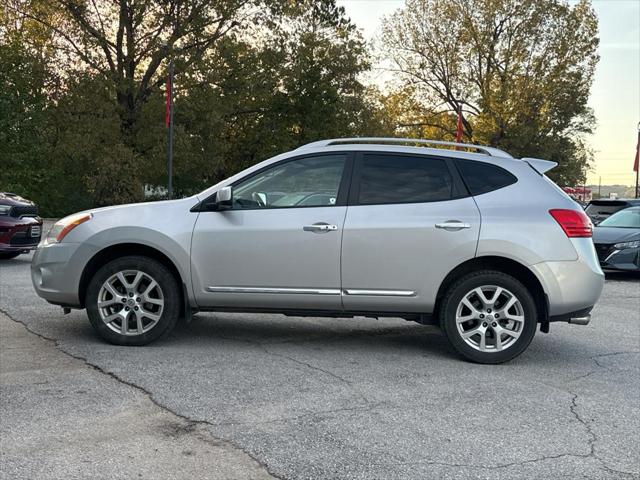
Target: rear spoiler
[{"x": 539, "y": 165}]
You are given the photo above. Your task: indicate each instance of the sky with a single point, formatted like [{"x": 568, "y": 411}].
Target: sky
[{"x": 615, "y": 94}]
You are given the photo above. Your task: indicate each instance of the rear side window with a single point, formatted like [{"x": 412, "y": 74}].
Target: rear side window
[
  {"x": 403, "y": 179},
  {"x": 483, "y": 177}
]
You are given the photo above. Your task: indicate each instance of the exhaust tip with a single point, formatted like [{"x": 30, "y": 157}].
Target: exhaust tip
[{"x": 584, "y": 320}]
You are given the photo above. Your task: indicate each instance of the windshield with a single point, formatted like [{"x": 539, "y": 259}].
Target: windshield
[{"x": 627, "y": 218}]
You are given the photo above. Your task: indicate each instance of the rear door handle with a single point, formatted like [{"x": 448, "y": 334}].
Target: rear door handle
[
  {"x": 453, "y": 225},
  {"x": 320, "y": 227}
]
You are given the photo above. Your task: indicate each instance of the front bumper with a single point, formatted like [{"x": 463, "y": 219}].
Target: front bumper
[
  {"x": 21, "y": 237},
  {"x": 10, "y": 248},
  {"x": 55, "y": 272},
  {"x": 627, "y": 259}
]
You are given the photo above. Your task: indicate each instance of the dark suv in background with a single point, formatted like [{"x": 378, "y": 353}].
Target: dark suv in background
[
  {"x": 20, "y": 225},
  {"x": 598, "y": 210}
]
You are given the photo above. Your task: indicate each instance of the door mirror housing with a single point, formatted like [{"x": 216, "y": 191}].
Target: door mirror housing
[
  {"x": 224, "y": 199},
  {"x": 224, "y": 196},
  {"x": 221, "y": 200}
]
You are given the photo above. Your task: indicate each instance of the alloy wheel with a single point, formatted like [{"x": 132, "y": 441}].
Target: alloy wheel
[
  {"x": 130, "y": 302},
  {"x": 490, "y": 318}
]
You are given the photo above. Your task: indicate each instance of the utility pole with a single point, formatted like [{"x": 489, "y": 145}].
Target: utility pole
[
  {"x": 599, "y": 185},
  {"x": 636, "y": 161},
  {"x": 169, "y": 122}
]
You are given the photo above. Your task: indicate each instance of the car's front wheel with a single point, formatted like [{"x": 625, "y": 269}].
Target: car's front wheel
[
  {"x": 8, "y": 255},
  {"x": 489, "y": 317},
  {"x": 133, "y": 300}
]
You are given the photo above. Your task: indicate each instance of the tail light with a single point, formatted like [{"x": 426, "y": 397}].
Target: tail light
[{"x": 574, "y": 223}]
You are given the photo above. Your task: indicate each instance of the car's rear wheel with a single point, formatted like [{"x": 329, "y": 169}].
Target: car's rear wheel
[
  {"x": 489, "y": 317},
  {"x": 8, "y": 255},
  {"x": 133, "y": 301}
]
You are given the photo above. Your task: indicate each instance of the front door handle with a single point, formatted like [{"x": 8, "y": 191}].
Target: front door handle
[
  {"x": 453, "y": 225},
  {"x": 320, "y": 227}
]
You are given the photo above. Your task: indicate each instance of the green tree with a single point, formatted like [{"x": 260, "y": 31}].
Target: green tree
[
  {"x": 93, "y": 164},
  {"x": 250, "y": 99},
  {"x": 128, "y": 42},
  {"x": 22, "y": 119},
  {"x": 519, "y": 70},
  {"x": 271, "y": 76}
]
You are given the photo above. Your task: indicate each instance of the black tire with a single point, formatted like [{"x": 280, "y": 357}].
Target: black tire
[
  {"x": 9, "y": 255},
  {"x": 158, "y": 272},
  {"x": 466, "y": 284}
]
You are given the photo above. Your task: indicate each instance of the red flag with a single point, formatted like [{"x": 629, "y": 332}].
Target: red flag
[
  {"x": 167, "y": 112},
  {"x": 459, "y": 127},
  {"x": 635, "y": 163}
]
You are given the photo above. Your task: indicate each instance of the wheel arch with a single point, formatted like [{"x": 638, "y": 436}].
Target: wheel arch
[
  {"x": 505, "y": 265},
  {"x": 119, "y": 250}
]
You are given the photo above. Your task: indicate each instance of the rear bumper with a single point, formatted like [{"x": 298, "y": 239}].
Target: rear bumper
[{"x": 572, "y": 287}]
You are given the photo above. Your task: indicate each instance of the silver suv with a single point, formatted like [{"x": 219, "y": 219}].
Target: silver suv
[{"x": 473, "y": 240}]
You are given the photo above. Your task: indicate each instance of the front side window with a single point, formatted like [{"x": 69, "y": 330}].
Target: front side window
[
  {"x": 389, "y": 178},
  {"x": 307, "y": 182}
]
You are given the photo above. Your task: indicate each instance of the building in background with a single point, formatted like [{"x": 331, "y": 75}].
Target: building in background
[{"x": 580, "y": 194}]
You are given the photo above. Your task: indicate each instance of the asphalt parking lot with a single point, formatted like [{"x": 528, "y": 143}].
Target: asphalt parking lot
[{"x": 248, "y": 396}]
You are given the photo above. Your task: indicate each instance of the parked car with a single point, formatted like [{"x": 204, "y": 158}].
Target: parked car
[
  {"x": 480, "y": 243},
  {"x": 598, "y": 210},
  {"x": 20, "y": 225},
  {"x": 617, "y": 240}
]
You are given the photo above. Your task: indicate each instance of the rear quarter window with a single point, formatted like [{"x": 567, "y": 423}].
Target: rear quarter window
[{"x": 480, "y": 177}]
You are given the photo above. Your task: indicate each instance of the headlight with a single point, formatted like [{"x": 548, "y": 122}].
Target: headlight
[
  {"x": 5, "y": 209},
  {"x": 62, "y": 227},
  {"x": 623, "y": 245}
]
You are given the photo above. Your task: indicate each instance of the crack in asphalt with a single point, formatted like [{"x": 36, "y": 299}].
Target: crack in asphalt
[
  {"x": 600, "y": 365},
  {"x": 320, "y": 413},
  {"x": 612, "y": 354},
  {"x": 263, "y": 346},
  {"x": 190, "y": 422},
  {"x": 591, "y": 441},
  {"x": 193, "y": 423},
  {"x": 593, "y": 438}
]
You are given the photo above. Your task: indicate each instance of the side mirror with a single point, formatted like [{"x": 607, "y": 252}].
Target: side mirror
[
  {"x": 260, "y": 197},
  {"x": 224, "y": 196},
  {"x": 223, "y": 200}
]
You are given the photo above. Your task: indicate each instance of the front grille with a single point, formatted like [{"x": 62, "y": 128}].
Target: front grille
[
  {"x": 603, "y": 250},
  {"x": 25, "y": 239},
  {"x": 24, "y": 211}
]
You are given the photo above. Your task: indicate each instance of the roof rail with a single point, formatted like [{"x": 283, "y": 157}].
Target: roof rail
[{"x": 492, "y": 152}]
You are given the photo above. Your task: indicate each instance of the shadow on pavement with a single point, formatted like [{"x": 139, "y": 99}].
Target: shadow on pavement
[
  {"x": 258, "y": 330},
  {"x": 622, "y": 276}
]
